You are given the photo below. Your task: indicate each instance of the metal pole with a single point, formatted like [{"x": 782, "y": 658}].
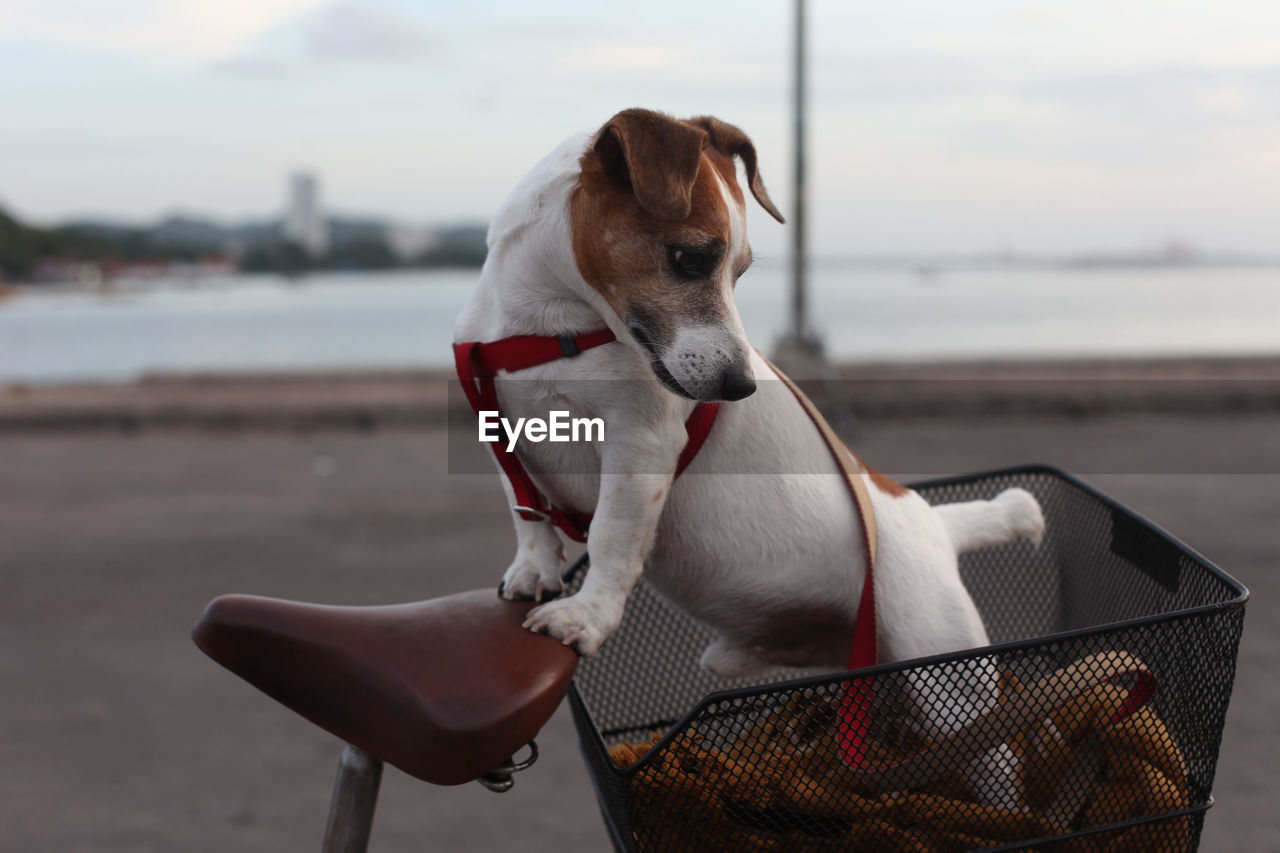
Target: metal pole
[
  {"x": 799, "y": 302},
  {"x": 355, "y": 794}
]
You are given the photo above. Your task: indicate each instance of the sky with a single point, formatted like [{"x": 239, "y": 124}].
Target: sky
[{"x": 935, "y": 126}]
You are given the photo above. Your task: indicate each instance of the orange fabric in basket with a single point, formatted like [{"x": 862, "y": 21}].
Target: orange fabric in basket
[{"x": 780, "y": 787}]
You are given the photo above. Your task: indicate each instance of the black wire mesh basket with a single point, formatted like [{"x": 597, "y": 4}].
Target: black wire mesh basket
[{"x": 1137, "y": 635}]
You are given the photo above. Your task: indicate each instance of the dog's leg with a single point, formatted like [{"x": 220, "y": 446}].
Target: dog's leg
[
  {"x": 622, "y": 533},
  {"x": 925, "y": 610},
  {"x": 978, "y": 524},
  {"x": 948, "y": 697},
  {"x": 727, "y": 659},
  {"x": 535, "y": 572}
]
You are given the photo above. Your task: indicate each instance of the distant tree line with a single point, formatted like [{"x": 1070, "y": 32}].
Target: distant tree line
[
  {"x": 462, "y": 246},
  {"x": 357, "y": 245},
  {"x": 23, "y": 247}
]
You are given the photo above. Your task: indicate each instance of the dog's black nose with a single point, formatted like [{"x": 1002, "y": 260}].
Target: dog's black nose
[{"x": 735, "y": 385}]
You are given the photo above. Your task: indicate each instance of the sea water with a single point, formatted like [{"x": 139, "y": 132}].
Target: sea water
[{"x": 404, "y": 319}]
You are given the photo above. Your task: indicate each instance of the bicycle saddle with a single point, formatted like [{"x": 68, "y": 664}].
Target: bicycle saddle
[{"x": 445, "y": 689}]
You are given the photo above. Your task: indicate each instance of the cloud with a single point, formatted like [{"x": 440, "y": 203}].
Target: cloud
[
  {"x": 346, "y": 31},
  {"x": 913, "y": 77},
  {"x": 183, "y": 31},
  {"x": 1180, "y": 95},
  {"x": 359, "y": 29},
  {"x": 248, "y": 65},
  {"x": 1157, "y": 120},
  {"x": 1145, "y": 119},
  {"x": 615, "y": 55}
]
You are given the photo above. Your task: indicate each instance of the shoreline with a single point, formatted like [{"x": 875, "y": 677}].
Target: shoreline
[{"x": 416, "y": 397}]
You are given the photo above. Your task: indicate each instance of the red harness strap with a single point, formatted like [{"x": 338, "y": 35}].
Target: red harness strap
[
  {"x": 858, "y": 694},
  {"x": 479, "y": 363}
]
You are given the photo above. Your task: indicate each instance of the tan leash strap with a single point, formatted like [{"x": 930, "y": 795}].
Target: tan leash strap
[
  {"x": 858, "y": 697},
  {"x": 843, "y": 456}
]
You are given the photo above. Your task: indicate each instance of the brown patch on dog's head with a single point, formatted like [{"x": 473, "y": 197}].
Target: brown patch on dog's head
[
  {"x": 656, "y": 155},
  {"x": 653, "y": 228}
]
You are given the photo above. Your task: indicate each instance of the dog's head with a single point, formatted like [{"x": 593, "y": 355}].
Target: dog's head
[{"x": 659, "y": 231}]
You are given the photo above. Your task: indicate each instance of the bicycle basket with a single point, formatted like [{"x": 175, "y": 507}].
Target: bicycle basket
[{"x": 683, "y": 760}]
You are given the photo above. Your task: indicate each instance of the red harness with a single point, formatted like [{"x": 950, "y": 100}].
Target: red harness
[{"x": 479, "y": 363}]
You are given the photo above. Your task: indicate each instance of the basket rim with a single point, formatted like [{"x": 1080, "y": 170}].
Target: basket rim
[{"x": 735, "y": 693}]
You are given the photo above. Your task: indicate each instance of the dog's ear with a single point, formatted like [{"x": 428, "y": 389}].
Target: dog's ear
[
  {"x": 731, "y": 141},
  {"x": 657, "y": 154}
]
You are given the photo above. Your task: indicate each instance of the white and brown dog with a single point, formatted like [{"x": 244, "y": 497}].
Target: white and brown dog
[{"x": 641, "y": 227}]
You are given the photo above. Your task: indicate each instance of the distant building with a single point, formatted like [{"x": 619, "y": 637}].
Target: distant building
[{"x": 304, "y": 221}]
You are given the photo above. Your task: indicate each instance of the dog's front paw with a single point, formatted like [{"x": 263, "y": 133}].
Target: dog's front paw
[
  {"x": 576, "y": 622},
  {"x": 534, "y": 575}
]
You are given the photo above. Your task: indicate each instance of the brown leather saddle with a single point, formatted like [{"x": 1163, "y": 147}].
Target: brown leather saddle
[{"x": 447, "y": 689}]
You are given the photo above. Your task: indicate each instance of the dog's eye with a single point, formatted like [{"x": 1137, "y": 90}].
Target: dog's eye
[{"x": 690, "y": 264}]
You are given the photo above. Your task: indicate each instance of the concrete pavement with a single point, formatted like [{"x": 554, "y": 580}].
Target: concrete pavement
[{"x": 116, "y": 734}]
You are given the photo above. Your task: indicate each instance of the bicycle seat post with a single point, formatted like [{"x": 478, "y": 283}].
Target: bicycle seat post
[{"x": 355, "y": 794}]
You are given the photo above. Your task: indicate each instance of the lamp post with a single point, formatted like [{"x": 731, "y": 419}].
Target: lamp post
[
  {"x": 799, "y": 306},
  {"x": 798, "y": 344},
  {"x": 800, "y": 351}
]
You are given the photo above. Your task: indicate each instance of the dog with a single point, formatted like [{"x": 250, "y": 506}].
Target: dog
[{"x": 640, "y": 226}]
